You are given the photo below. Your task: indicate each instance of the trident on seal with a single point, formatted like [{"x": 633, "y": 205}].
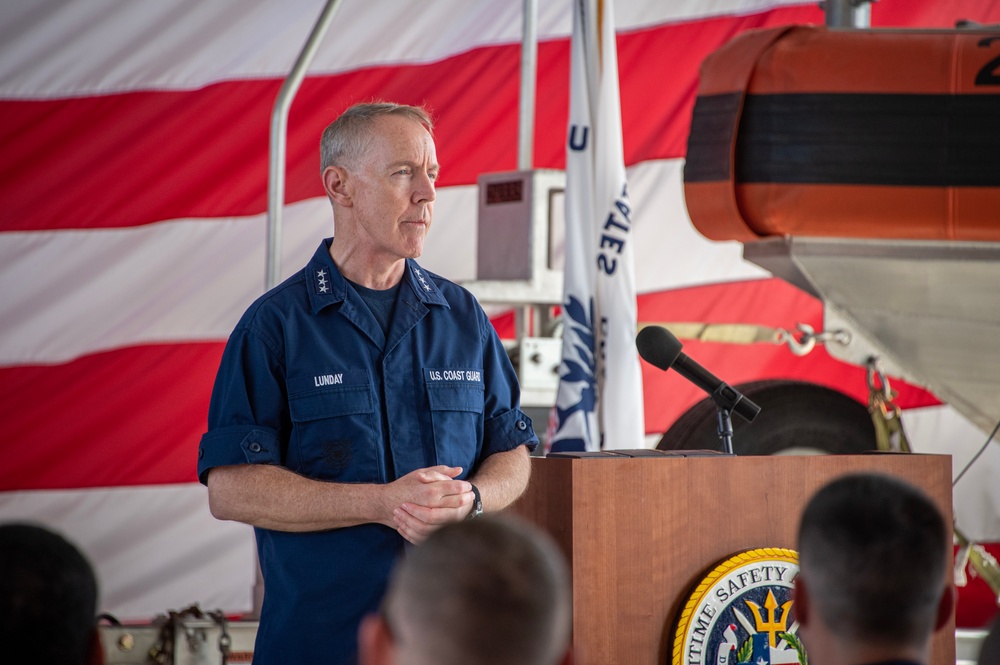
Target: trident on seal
[{"x": 772, "y": 626}]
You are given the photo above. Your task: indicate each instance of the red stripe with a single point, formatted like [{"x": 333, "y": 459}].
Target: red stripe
[
  {"x": 127, "y": 417},
  {"x": 136, "y": 158},
  {"x": 977, "y": 603},
  {"x": 132, "y": 159}
]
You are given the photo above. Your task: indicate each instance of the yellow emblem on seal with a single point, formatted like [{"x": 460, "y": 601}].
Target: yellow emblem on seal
[{"x": 715, "y": 625}]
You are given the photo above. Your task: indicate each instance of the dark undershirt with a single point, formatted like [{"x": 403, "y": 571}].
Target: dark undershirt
[{"x": 381, "y": 303}]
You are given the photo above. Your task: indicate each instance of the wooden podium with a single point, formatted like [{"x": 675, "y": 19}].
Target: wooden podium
[{"x": 640, "y": 533}]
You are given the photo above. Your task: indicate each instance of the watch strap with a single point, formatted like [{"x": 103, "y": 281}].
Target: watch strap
[{"x": 477, "y": 504}]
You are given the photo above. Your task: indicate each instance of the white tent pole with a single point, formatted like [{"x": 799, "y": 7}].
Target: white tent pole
[
  {"x": 847, "y": 13},
  {"x": 526, "y": 318},
  {"x": 279, "y": 139},
  {"x": 529, "y": 66}
]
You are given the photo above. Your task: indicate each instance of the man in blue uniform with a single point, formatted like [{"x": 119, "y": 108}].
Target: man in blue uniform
[{"x": 362, "y": 403}]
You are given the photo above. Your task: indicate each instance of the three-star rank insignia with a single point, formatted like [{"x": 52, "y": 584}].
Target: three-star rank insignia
[{"x": 321, "y": 281}]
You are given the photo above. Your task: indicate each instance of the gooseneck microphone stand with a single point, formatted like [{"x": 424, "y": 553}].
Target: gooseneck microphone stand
[{"x": 726, "y": 399}]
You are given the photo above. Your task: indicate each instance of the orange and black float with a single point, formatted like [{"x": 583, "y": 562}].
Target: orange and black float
[{"x": 869, "y": 133}]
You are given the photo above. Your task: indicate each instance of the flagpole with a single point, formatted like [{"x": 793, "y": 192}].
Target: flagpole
[{"x": 529, "y": 68}]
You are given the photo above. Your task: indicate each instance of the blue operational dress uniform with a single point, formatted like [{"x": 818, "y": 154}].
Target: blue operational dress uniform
[{"x": 309, "y": 381}]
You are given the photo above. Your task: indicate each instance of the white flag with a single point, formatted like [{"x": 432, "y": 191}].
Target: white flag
[{"x": 599, "y": 402}]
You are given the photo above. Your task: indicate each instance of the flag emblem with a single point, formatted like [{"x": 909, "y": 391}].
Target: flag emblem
[{"x": 599, "y": 400}]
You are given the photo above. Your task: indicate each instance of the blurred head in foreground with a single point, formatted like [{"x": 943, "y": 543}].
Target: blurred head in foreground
[
  {"x": 48, "y": 599},
  {"x": 873, "y": 581},
  {"x": 488, "y": 591}
]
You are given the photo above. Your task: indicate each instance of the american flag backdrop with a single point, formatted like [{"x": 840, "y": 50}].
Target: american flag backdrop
[{"x": 133, "y": 185}]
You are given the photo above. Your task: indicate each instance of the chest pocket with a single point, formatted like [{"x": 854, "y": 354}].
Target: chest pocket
[
  {"x": 334, "y": 428},
  {"x": 456, "y": 402}
]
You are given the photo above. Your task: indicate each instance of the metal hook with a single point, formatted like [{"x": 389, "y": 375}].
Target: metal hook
[
  {"x": 795, "y": 345},
  {"x": 875, "y": 368}
]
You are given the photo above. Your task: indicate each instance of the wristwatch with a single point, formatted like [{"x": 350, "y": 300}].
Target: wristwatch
[{"x": 477, "y": 504}]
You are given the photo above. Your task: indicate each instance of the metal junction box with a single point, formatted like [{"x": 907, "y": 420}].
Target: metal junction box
[
  {"x": 179, "y": 641},
  {"x": 520, "y": 223}
]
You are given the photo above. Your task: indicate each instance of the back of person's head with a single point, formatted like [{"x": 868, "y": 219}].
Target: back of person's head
[
  {"x": 873, "y": 551},
  {"x": 989, "y": 650},
  {"x": 48, "y": 598},
  {"x": 346, "y": 138},
  {"x": 489, "y": 591}
]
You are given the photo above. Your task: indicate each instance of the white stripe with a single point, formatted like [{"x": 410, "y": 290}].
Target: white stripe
[
  {"x": 68, "y": 293},
  {"x": 72, "y": 293},
  {"x": 135, "y": 45},
  {"x": 154, "y": 548},
  {"x": 941, "y": 430}
]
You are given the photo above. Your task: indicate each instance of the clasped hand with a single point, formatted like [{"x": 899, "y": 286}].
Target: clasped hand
[{"x": 425, "y": 499}]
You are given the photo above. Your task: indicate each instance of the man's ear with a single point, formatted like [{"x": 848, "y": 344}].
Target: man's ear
[
  {"x": 800, "y": 594},
  {"x": 375, "y": 645},
  {"x": 335, "y": 185},
  {"x": 945, "y": 606}
]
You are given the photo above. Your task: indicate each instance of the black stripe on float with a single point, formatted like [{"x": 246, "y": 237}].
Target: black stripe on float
[
  {"x": 713, "y": 123},
  {"x": 865, "y": 139}
]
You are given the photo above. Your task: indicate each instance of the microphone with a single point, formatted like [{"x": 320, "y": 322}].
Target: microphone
[{"x": 660, "y": 348}]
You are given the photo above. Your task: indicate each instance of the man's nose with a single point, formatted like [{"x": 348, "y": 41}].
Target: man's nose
[{"x": 423, "y": 189}]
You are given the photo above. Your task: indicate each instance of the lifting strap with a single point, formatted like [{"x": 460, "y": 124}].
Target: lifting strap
[
  {"x": 800, "y": 342},
  {"x": 890, "y": 436},
  {"x": 886, "y": 414}
]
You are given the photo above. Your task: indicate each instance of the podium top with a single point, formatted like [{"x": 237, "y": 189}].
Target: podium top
[{"x": 637, "y": 452}]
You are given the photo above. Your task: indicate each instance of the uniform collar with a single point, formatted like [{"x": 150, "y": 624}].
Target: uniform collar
[
  {"x": 326, "y": 286},
  {"x": 423, "y": 285}
]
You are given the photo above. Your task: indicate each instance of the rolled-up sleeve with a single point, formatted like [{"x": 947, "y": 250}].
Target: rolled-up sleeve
[
  {"x": 247, "y": 415},
  {"x": 227, "y": 446},
  {"x": 508, "y": 431},
  {"x": 506, "y": 427}
]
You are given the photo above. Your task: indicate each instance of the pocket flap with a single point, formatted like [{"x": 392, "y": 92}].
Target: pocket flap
[
  {"x": 455, "y": 397},
  {"x": 330, "y": 402}
]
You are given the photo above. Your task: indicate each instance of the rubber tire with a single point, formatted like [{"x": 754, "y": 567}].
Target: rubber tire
[{"x": 795, "y": 418}]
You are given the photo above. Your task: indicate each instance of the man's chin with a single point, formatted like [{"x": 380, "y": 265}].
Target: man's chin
[{"x": 415, "y": 249}]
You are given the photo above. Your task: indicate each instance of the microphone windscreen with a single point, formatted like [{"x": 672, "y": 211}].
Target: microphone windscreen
[{"x": 658, "y": 346}]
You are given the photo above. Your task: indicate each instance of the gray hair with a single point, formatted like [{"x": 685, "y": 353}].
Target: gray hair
[
  {"x": 489, "y": 591},
  {"x": 348, "y": 135},
  {"x": 873, "y": 552}
]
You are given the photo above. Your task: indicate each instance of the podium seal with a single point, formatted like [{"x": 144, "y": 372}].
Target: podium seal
[{"x": 742, "y": 612}]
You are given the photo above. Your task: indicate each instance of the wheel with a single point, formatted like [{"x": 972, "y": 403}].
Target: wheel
[{"x": 795, "y": 418}]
